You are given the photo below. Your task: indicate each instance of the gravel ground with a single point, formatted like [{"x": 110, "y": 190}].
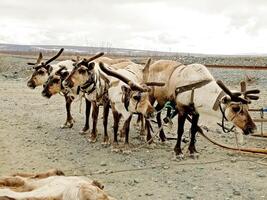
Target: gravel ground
[{"x": 31, "y": 140}]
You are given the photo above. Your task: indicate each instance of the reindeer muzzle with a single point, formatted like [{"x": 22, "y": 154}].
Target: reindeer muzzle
[
  {"x": 250, "y": 129},
  {"x": 46, "y": 94},
  {"x": 31, "y": 84}
]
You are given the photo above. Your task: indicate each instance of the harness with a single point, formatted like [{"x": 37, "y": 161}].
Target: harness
[
  {"x": 93, "y": 84},
  {"x": 222, "y": 125}
]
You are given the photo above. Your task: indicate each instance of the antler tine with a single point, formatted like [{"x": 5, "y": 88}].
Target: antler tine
[
  {"x": 255, "y": 91},
  {"x": 224, "y": 88},
  {"x": 252, "y": 97},
  {"x": 234, "y": 96},
  {"x": 55, "y": 57},
  {"x": 121, "y": 77},
  {"x": 94, "y": 57},
  {"x": 243, "y": 86},
  {"x": 146, "y": 70}
]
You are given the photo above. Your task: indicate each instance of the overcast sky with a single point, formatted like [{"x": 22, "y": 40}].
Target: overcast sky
[{"x": 197, "y": 26}]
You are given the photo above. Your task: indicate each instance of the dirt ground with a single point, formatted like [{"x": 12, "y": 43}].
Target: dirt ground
[{"x": 31, "y": 141}]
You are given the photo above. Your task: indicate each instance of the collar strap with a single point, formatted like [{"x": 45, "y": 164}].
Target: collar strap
[{"x": 217, "y": 101}]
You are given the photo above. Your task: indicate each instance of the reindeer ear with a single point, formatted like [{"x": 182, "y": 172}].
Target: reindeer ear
[
  {"x": 226, "y": 100},
  {"x": 91, "y": 65},
  {"x": 39, "y": 59},
  {"x": 125, "y": 89},
  {"x": 64, "y": 74},
  {"x": 49, "y": 68}
]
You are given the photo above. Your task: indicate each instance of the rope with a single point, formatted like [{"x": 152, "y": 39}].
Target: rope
[
  {"x": 107, "y": 172},
  {"x": 246, "y": 150}
]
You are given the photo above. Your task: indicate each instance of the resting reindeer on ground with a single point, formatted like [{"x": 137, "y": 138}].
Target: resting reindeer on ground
[
  {"x": 129, "y": 94},
  {"x": 42, "y": 70},
  {"x": 94, "y": 84},
  {"x": 209, "y": 97},
  {"x": 51, "y": 185}
]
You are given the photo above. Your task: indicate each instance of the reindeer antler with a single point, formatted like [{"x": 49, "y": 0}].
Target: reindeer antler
[
  {"x": 248, "y": 94},
  {"x": 54, "y": 57},
  {"x": 235, "y": 96},
  {"x": 132, "y": 85},
  {"x": 94, "y": 57}
]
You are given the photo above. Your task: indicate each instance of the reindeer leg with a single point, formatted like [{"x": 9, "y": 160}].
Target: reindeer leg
[
  {"x": 87, "y": 116},
  {"x": 105, "y": 122},
  {"x": 161, "y": 133},
  {"x": 143, "y": 128},
  {"x": 126, "y": 129},
  {"x": 11, "y": 182},
  {"x": 116, "y": 120},
  {"x": 148, "y": 136},
  {"x": 194, "y": 127},
  {"x": 180, "y": 131},
  {"x": 69, "y": 121},
  {"x": 93, "y": 135}
]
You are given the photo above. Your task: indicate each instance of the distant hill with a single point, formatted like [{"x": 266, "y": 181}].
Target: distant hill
[
  {"x": 186, "y": 58},
  {"x": 80, "y": 50}
]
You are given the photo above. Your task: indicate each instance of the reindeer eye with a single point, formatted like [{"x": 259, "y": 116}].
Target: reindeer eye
[
  {"x": 236, "y": 109},
  {"x": 41, "y": 72},
  {"x": 55, "y": 80},
  {"x": 137, "y": 97},
  {"x": 82, "y": 71}
]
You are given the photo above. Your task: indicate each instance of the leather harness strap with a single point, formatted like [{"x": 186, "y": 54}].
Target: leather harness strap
[{"x": 217, "y": 101}]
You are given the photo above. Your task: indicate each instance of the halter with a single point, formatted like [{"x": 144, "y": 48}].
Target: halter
[
  {"x": 93, "y": 83},
  {"x": 224, "y": 128}
]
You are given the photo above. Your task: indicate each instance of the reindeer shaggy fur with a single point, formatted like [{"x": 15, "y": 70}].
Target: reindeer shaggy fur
[
  {"x": 179, "y": 81},
  {"x": 51, "y": 185}
]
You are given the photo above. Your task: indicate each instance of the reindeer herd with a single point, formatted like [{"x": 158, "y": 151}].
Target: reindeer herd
[{"x": 129, "y": 88}]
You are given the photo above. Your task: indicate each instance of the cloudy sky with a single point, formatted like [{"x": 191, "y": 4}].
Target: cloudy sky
[{"x": 197, "y": 26}]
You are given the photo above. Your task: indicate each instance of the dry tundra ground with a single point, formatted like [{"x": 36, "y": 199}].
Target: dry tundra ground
[{"x": 31, "y": 141}]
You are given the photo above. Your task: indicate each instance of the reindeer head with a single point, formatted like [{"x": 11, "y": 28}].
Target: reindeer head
[
  {"x": 53, "y": 84},
  {"x": 82, "y": 72},
  {"x": 135, "y": 97},
  {"x": 41, "y": 70},
  {"x": 236, "y": 107}
]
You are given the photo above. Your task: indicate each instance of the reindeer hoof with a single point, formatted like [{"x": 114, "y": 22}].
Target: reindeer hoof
[
  {"x": 127, "y": 150},
  {"x": 84, "y": 131},
  {"x": 194, "y": 155},
  {"x": 92, "y": 138},
  {"x": 180, "y": 156},
  {"x": 106, "y": 141},
  {"x": 67, "y": 124},
  {"x": 115, "y": 148}
]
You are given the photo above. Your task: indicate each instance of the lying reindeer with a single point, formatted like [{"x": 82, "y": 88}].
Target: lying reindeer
[
  {"x": 209, "y": 98},
  {"x": 51, "y": 185},
  {"x": 42, "y": 70}
]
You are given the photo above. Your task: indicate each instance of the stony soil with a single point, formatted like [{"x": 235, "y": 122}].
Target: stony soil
[{"x": 31, "y": 141}]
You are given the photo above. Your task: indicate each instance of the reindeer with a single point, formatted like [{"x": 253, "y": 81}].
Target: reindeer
[
  {"x": 54, "y": 84},
  {"x": 42, "y": 70},
  {"x": 128, "y": 95},
  {"x": 210, "y": 97},
  {"x": 50, "y": 185},
  {"x": 93, "y": 84}
]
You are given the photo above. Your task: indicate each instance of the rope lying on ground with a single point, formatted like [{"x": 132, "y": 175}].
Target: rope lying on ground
[
  {"x": 240, "y": 149},
  {"x": 107, "y": 172}
]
